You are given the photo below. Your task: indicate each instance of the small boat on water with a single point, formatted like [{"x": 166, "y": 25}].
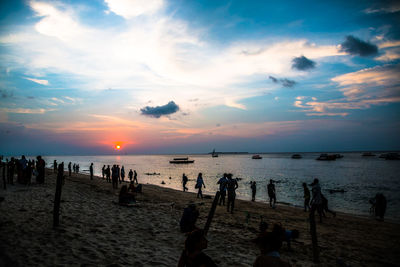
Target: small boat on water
[
  {"x": 338, "y": 156},
  {"x": 214, "y": 154},
  {"x": 326, "y": 157},
  {"x": 390, "y": 156},
  {"x": 296, "y": 156},
  {"x": 368, "y": 154},
  {"x": 181, "y": 161},
  {"x": 256, "y": 157}
]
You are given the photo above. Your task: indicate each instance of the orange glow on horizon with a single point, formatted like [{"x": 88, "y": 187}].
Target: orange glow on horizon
[{"x": 117, "y": 147}]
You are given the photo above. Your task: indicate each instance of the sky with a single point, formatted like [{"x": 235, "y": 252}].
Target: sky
[{"x": 159, "y": 76}]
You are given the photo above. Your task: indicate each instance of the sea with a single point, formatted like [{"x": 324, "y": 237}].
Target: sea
[{"x": 360, "y": 178}]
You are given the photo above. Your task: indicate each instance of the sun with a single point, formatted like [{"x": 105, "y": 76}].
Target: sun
[{"x": 117, "y": 147}]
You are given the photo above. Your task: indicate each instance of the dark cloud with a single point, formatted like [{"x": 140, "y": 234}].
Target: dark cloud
[
  {"x": 302, "y": 63},
  {"x": 159, "y": 111},
  {"x": 355, "y": 46},
  {"x": 5, "y": 93},
  {"x": 284, "y": 82}
]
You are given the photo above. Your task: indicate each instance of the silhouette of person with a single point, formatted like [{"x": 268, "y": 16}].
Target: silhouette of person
[
  {"x": 189, "y": 218},
  {"x": 184, "y": 182},
  {"x": 91, "y": 171},
  {"x": 316, "y": 201},
  {"x": 103, "y": 171},
  {"x": 199, "y": 185},
  {"x": 122, "y": 173},
  {"x": 269, "y": 244},
  {"x": 130, "y": 174},
  {"x": 223, "y": 182},
  {"x": 380, "y": 206},
  {"x": 135, "y": 176},
  {"x": 108, "y": 174},
  {"x": 325, "y": 207},
  {"x": 307, "y": 197},
  {"x": 253, "y": 186},
  {"x": 40, "y": 167},
  {"x": 55, "y": 166},
  {"x": 232, "y": 185},
  {"x": 193, "y": 254},
  {"x": 114, "y": 175},
  {"x": 69, "y": 168},
  {"x": 271, "y": 193}
]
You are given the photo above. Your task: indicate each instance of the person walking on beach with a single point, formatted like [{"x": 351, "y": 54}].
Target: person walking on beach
[
  {"x": 199, "y": 185},
  {"x": 91, "y": 171},
  {"x": 223, "y": 182},
  {"x": 316, "y": 201},
  {"x": 130, "y": 174},
  {"x": 103, "y": 171},
  {"x": 135, "y": 176},
  {"x": 253, "y": 186},
  {"x": 77, "y": 168},
  {"x": 122, "y": 173},
  {"x": 271, "y": 193},
  {"x": 184, "y": 182},
  {"x": 325, "y": 208},
  {"x": 307, "y": 197},
  {"x": 108, "y": 174},
  {"x": 232, "y": 185}
]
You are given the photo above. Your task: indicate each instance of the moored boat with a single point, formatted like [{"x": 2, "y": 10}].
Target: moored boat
[
  {"x": 326, "y": 157},
  {"x": 296, "y": 156},
  {"x": 256, "y": 157},
  {"x": 181, "y": 161}
]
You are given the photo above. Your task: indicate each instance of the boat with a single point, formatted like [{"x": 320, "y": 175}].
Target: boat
[
  {"x": 368, "y": 154},
  {"x": 256, "y": 157},
  {"x": 326, "y": 157},
  {"x": 181, "y": 161},
  {"x": 296, "y": 156},
  {"x": 392, "y": 156},
  {"x": 214, "y": 154},
  {"x": 338, "y": 156}
]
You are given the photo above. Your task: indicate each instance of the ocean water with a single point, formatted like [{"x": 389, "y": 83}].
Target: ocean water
[{"x": 361, "y": 177}]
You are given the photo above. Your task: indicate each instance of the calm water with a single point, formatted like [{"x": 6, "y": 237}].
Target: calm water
[{"x": 361, "y": 177}]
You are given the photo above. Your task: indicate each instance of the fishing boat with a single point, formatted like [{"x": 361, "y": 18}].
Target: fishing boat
[
  {"x": 181, "y": 161},
  {"x": 296, "y": 156},
  {"x": 256, "y": 157},
  {"x": 214, "y": 154},
  {"x": 326, "y": 157}
]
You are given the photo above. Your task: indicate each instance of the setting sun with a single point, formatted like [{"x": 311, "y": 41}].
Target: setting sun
[{"x": 118, "y": 147}]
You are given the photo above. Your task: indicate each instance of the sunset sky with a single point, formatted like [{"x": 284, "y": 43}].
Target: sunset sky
[{"x": 158, "y": 76}]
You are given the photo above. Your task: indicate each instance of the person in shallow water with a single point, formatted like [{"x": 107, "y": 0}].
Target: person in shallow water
[
  {"x": 316, "y": 201},
  {"x": 271, "y": 193},
  {"x": 253, "y": 187},
  {"x": 231, "y": 187},
  {"x": 307, "y": 197},
  {"x": 193, "y": 255}
]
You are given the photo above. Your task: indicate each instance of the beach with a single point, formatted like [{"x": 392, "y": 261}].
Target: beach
[{"x": 95, "y": 231}]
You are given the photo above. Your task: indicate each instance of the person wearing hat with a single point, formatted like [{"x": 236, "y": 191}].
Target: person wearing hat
[{"x": 316, "y": 201}]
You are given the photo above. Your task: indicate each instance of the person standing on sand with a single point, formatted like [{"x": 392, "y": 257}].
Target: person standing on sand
[
  {"x": 223, "y": 181},
  {"x": 271, "y": 193},
  {"x": 232, "y": 185},
  {"x": 55, "y": 166},
  {"x": 114, "y": 175},
  {"x": 103, "y": 171},
  {"x": 108, "y": 174},
  {"x": 40, "y": 167},
  {"x": 306, "y": 197},
  {"x": 184, "y": 182},
  {"x": 69, "y": 169},
  {"x": 119, "y": 173},
  {"x": 91, "y": 171},
  {"x": 130, "y": 174},
  {"x": 316, "y": 201},
  {"x": 253, "y": 186},
  {"x": 199, "y": 185},
  {"x": 135, "y": 176},
  {"x": 122, "y": 173}
]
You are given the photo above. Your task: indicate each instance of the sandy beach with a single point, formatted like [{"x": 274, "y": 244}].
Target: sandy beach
[{"x": 94, "y": 231}]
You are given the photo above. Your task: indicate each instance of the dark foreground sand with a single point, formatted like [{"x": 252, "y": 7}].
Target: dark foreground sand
[{"x": 95, "y": 231}]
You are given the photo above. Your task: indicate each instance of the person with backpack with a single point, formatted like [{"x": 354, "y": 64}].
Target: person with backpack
[{"x": 222, "y": 188}]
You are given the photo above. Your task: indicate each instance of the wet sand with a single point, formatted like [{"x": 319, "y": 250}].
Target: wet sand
[{"x": 95, "y": 231}]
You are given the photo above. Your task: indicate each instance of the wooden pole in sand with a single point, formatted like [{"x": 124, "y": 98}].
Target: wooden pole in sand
[
  {"x": 313, "y": 231},
  {"x": 57, "y": 198},
  {"x": 211, "y": 213}
]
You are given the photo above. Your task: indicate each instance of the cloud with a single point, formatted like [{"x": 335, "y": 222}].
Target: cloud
[
  {"x": 42, "y": 82},
  {"x": 355, "y": 46},
  {"x": 302, "y": 63},
  {"x": 284, "y": 82},
  {"x": 361, "y": 90},
  {"x": 159, "y": 111},
  {"x": 5, "y": 93},
  {"x": 391, "y": 51},
  {"x": 133, "y": 8},
  {"x": 389, "y": 6},
  {"x": 25, "y": 110}
]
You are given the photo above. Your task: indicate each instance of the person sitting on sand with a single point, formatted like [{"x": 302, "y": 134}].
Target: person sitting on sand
[
  {"x": 307, "y": 197},
  {"x": 193, "y": 255},
  {"x": 269, "y": 244},
  {"x": 125, "y": 197},
  {"x": 189, "y": 218},
  {"x": 223, "y": 181},
  {"x": 271, "y": 193},
  {"x": 199, "y": 185}
]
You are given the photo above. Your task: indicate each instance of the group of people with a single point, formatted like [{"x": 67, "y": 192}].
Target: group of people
[
  {"x": 24, "y": 169},
  {"x": 116, "y": 175}
]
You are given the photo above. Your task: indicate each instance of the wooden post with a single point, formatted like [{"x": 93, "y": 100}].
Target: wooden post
[
  {"x": 4, "y": 165},
  {"x": 57, "y": 198},
  {"x": 211, "y": 213},
  {"x": 313, "y": 231}
]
